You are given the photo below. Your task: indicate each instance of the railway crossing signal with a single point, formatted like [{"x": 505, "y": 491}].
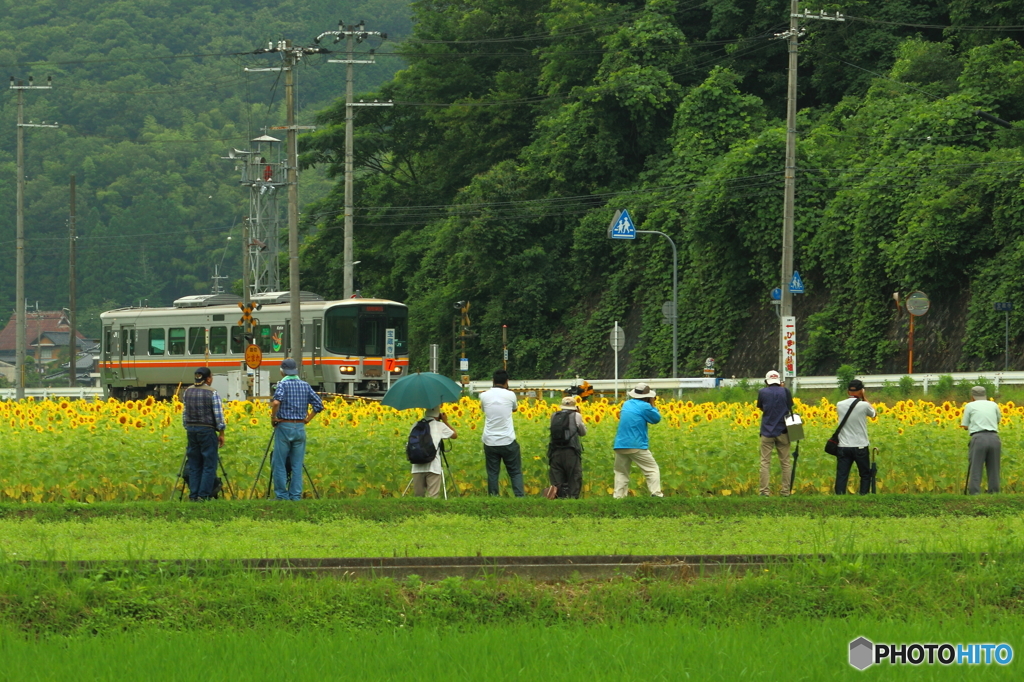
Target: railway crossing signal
[{"x": 247, "y": 311}]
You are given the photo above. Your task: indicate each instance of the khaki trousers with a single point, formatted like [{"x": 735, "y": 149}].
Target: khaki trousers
[
  {"x": 426, "y": 485},
  {"x": 780, "y": 443},
  {"x": 645, "y": 460}
]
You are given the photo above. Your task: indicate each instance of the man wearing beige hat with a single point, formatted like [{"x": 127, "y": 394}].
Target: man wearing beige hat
[
  {"x": 631, "y": 442},
  {"x": 981, "y": 419},
  {"x": 565, "y": 451}
]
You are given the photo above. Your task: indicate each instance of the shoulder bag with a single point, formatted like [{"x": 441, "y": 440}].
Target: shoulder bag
[{"x": 832, "y": 444}]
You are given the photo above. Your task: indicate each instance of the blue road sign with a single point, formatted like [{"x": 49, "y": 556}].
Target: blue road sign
[
  {"x": 1004, "y": 307},
  {"x": 796, "y": 285},
  {"x": 623, "y": 227},
  {"x": 777, "y": 294}
]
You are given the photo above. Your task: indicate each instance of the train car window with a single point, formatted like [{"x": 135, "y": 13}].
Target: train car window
[
  {"x": 267, "y": 338},
  {"x": 176, "y": 340},
  {"x": 196, "y": 340},
  {"x": 127, "y": 342},
  {"x": 106, "y": 343},
  {"x": 156, "y": 341},
  {"x": 398, "y": 319},
  {"x": 341, "y": 330},
  {"x": 238, "y": 343},
  {"x": 219, "y": 340}
]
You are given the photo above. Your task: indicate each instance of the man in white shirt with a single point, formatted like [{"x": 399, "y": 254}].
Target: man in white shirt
[
  {"x": 427, "y": 478},
  {"x": 499, "y": 437},
  {"x": 981, "y": 419},
  {"x": 853, "y": 439}
]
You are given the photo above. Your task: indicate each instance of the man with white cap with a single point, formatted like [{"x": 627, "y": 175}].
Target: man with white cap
[
  {"x": 981, "y": 419},
  {"x": 631, "y": 441},
  {"x": 565, "y": 451},
  {"x": 775, "y": 402},
  {"x": 427, "y": 478}
]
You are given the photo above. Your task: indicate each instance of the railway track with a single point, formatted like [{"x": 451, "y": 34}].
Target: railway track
[{"x": 545, "y": 568}]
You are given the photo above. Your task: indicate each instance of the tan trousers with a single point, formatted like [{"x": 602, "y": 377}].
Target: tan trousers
[
  {"x": 426, "y": 485},
  {"x": 781, "y": 443},
  {"x": 645, "y": 460}
]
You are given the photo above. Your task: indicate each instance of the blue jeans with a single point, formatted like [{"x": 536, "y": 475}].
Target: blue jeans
[
  {"x": 510, "y": 454},
  {"x": 289, "y": 454},
  {"x": 201, "y": 454}
]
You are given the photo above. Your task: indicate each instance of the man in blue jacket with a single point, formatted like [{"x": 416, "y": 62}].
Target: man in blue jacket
[{"x": 631, "y": 443}]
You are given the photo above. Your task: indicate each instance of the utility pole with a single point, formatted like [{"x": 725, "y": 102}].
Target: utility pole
[
  {"x": 789, "y": 196},
  {"x": 19, "y": 306},
  {"x": 292, "y": 54},
  {"x": 73, "y": 339},
  {"x": 352, "y": 34}
]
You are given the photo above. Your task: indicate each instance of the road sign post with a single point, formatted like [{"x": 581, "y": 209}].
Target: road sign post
[
  {"x": 622, "y": 227},
  {"x": 618, "y": 341},
  {"x": 1006, "y": 308},
  {"x": 389, "y": 352}
]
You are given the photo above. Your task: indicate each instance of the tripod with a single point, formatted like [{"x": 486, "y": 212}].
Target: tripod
[
  {"x": 181, "y": 475},
  {"x": 444, "y": 465},
  {"x": 270, "y": 481}
]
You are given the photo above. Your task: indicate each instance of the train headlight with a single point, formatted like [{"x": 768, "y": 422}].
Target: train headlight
[
  {"x": 347, "y": 369},
  {"x": 396, "y": 370}
]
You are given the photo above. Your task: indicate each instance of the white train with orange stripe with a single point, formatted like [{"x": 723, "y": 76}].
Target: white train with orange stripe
[{"x": 153, "y": 351}]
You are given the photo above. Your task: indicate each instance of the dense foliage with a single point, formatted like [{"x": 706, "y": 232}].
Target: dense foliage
[
  {"x": 518, "y": 131},
  {"x": 149, "y": 94}
]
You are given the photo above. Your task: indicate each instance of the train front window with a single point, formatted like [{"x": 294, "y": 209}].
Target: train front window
[{"x": 341, "y": 330}]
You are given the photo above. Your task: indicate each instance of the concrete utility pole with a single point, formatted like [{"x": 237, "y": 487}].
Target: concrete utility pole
[
  {"x": 73, "y": 301},
  {"x": 292, "y": 54},
  {"x": 19, "y": 276},
  {"x": 352, "y": 34},
  {"x": 789, "y": 197}
]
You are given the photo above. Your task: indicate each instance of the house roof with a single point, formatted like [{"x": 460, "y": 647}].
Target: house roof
[
  {"x": 61, "y": 339},
  {"x": 36, "y": 323}
]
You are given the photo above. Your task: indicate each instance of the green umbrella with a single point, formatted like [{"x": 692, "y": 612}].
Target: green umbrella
[{"x": 424, "y": 390}]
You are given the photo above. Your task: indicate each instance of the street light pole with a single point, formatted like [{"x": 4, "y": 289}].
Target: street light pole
[{"x": 675, "y": 300}]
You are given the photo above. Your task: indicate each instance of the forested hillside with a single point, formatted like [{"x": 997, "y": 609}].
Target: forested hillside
[
  {"x": 520, "y": 128},
  {"x": 149, "y": 95}
]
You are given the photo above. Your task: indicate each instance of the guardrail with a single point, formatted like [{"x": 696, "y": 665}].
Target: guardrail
[
  {"x": 925, "y": 381},
  {"x": 556, "y": 386},
  {"x": 44, "y": 393}
]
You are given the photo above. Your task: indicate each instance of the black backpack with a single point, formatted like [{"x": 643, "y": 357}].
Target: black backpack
[
  {"x": 563, "y": 428},
  {"x": 420, "y": 449}
]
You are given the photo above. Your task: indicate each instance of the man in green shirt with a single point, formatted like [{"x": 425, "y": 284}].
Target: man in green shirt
[{"x": 981, "y": 419}]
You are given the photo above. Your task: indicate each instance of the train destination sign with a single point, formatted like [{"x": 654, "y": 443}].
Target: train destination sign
[{"x": 253, "y": 356}]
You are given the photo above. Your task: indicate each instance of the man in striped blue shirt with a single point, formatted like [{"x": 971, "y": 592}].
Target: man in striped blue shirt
[
  {"x": 289, "y": 413},
  {"x": 203, "y": 419}
]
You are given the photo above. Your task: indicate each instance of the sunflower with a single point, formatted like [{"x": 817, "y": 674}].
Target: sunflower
[{"x": 254, "y": 421}]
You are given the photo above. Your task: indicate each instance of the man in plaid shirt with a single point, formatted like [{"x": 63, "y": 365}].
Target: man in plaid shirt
[
  {"x": 289, "y": 413},
  {"x": 203, "y": 419}
]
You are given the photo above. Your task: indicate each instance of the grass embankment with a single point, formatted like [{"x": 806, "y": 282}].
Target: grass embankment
[
  {"x": 907, "y": 588},
  {"x": 470, "y": 527},
  {"x": 799, "y": 651}
]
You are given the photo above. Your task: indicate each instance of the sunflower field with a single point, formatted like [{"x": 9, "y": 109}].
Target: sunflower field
[{"x": 108, "y": 450}]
